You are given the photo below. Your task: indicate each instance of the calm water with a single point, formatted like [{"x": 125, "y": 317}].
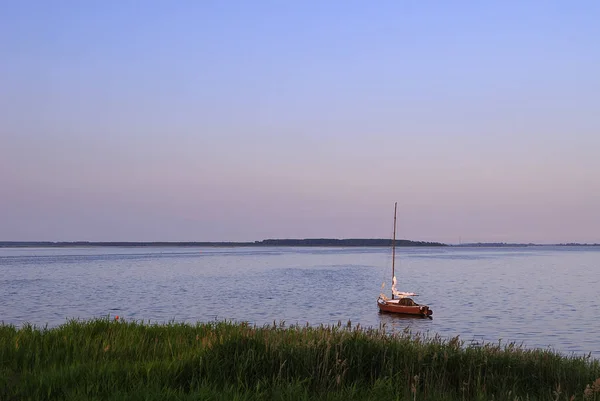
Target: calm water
[{"x": 539, "y": 296}]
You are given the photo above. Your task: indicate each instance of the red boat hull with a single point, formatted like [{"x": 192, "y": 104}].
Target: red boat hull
[{"x": 392, "y": 306}]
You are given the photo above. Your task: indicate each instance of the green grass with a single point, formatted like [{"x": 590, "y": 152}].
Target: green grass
[{"x": 104, "y": 359}]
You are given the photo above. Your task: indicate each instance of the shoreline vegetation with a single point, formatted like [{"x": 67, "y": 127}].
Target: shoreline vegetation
[
  {"x": 107, "y": 358},
  {"x": 306, "y": 242}
]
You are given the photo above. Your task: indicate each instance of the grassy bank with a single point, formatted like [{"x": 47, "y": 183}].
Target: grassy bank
[{"x": 107, "y": 359}]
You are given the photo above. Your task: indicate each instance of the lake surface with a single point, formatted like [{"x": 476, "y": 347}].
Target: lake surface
[{"x": 539, "y": 296}]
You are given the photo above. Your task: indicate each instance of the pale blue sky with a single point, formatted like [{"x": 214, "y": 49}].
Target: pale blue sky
[{"x": 231, "y": 120}]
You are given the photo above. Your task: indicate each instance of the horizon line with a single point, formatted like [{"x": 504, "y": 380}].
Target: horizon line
[{"x": 315, "y": 241}]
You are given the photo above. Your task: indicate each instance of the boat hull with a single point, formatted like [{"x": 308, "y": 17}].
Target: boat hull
[{"x": 392, "y": 306}]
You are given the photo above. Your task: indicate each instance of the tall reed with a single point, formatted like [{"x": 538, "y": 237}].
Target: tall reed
[{"x": 105, "y": 358}]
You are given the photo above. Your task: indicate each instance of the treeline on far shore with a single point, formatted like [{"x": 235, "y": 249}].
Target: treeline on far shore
[{"x": 358, "y": 242}]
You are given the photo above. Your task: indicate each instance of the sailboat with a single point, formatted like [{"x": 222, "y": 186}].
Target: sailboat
[{"x": 400, "y": 303}]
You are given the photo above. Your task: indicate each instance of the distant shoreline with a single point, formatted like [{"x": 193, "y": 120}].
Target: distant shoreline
[{"x": 309, "y": 242}]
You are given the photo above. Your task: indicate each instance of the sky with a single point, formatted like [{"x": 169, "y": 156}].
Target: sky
[{"x": 241, "y": 121}]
